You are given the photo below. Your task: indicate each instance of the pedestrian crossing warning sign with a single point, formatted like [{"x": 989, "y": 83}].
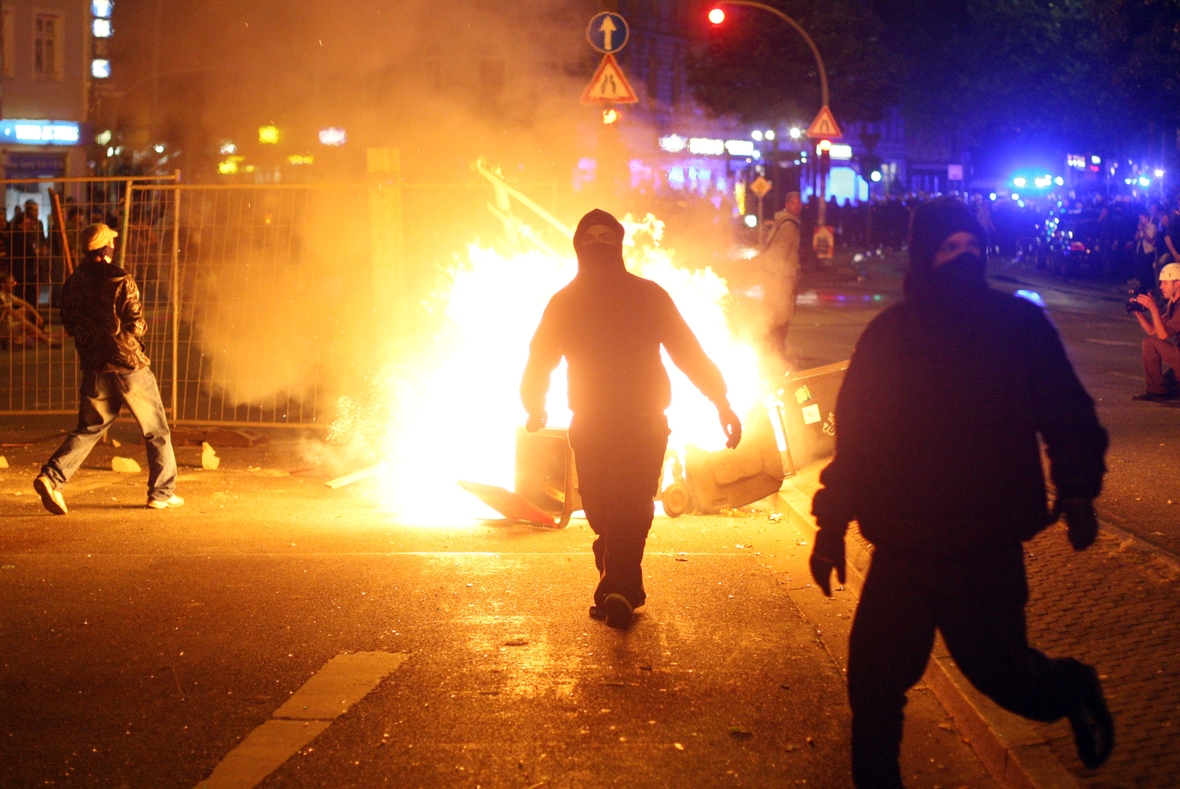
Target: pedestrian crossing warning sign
[
  {"x": 609, "y": 86},
  {"x": 824, "y": 126}
]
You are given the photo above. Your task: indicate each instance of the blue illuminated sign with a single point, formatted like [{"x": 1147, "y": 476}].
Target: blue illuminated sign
[{"x": 28, "y": 132}]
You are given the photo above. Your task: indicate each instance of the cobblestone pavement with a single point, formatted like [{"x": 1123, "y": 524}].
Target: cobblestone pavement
[{"x": 1116, "y": 607}]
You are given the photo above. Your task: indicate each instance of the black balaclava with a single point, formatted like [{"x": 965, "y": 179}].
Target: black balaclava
[
  {"x": 593, "y": 257},
  {"x": 933, "y": 223}
]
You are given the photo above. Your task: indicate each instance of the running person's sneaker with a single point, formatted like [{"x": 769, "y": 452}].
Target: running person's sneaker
[
  {"x": 50, "y": 496},
  {"x": 1093, "y": 728},
  {"x": 163, "y": 504}
]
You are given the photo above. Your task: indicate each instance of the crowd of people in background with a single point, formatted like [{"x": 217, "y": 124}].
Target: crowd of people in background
[
  {"x": 33, "y": 264},
  {"x": 1122, "y": 238}
]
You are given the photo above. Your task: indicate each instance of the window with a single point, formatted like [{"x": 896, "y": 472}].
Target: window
[
  {"x": 9, "y": 40},
  {"x": 47, "y": 46}
]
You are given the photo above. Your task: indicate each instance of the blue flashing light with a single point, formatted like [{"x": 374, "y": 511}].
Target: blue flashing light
[{"x": 1033, "y": 296}]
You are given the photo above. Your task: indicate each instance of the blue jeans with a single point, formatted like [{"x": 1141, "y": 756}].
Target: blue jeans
[{"x": 102, "y": 396}]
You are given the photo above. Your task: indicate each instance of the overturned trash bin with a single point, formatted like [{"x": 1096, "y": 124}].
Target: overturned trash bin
[
  {"x": 546, "y": 481},
  {"x": 789, "y": 431},
  {"x": 808, "y": 401},
  {"x": 732, "y": 478}
]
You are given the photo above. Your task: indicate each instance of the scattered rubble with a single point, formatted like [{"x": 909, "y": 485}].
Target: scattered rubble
[
  {"x": 124, "y": 465},
  {"x": 209, "y": 459}
]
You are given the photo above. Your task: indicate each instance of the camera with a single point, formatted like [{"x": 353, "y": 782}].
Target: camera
[{"x": 1134, "y": 306}]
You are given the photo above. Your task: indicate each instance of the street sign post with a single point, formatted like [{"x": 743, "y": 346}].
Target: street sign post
[
  {"x": 824, "y": 127},
  {"x": 608, "y": 32},
  {"x": 608, "y": 85},
  {"x": 760, "y": 187}
]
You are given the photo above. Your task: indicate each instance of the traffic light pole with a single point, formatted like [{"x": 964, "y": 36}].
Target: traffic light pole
[{"x": 823, "y": 76}]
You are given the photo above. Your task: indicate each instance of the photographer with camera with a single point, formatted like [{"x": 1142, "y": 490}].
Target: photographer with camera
[{"x": 1162, "y": 328}]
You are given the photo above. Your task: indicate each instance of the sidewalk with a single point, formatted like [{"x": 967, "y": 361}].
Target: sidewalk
[{"x": 1115, "y": 606}]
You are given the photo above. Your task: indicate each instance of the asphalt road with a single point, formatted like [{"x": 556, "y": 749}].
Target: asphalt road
[{"x": 138, "y": 648}]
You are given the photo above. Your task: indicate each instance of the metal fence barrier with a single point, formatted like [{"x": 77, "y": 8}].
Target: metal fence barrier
[
  {"x": 38, "y": 240},
  {"x": 261, "y": 300}
]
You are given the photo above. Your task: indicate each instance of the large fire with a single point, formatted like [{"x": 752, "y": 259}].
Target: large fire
[{"x": 450, "y": 410}]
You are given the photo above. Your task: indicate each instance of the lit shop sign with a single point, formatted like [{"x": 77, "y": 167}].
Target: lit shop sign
[
  {"x": 1076, "y": 161},
  {"x": 703, "y": 146},
  {"x": 707, "y": 146},
  {"x": 843, "y": 152},
  {"x": 739, "y": 147},
  {"x": 41, "y": 132},
  {"x": 333, "y": 135}
]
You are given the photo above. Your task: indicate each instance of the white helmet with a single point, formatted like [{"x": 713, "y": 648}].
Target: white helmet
[{"x": 1170, "y": 272}]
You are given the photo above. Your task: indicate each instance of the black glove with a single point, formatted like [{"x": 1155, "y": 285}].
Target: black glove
[
  {"x": 826, "y": 555},
  {"x": 1080, "y": 519}
]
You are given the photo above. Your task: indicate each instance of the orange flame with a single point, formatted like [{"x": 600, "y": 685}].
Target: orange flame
[{"x": 452, "y": 408}]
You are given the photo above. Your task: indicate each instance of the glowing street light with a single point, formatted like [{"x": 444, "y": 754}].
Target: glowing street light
[
  {"x": 796, "y": 132},
  {"x": 716, "y": 16},
  {"x": 769, "y": 134},
  {"x": 757, "y": 135},
  {"x": 268, "y": 135}
]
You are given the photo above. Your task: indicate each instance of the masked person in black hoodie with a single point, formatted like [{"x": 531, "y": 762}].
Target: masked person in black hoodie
[
  {"x": 937, "y": 459},
  {"x": 609, "y": 325}
]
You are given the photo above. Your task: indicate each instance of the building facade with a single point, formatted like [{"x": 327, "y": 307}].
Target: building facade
[{"x": 46, "y": 86}]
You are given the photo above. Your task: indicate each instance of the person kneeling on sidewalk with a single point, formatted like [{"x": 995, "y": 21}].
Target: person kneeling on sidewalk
[
  {"x": 937, "y": 458},
  {"x": 1162, "y": 344},
  {"x": 101, "y": 311}
]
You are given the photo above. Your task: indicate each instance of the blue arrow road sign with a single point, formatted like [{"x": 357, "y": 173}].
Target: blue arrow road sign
[{"x": 608, "y": 32}]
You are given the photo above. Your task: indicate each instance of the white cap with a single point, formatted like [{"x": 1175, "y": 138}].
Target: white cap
[{"x": 1170, "y": 272}]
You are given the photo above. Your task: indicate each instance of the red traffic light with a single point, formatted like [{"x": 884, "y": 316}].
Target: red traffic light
[{"x": 716, "y": 16}]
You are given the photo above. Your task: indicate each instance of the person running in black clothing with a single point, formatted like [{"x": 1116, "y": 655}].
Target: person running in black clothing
[
  {"x": 609, "y": 325},
  {"x": 937, "y": 459}
]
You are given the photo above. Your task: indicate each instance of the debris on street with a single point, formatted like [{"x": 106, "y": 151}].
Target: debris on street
[{"x": 124, "y": 465}]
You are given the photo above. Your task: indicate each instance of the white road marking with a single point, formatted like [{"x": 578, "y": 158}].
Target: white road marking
[
  {"x": 1114, "y": 342},
  {"x": 343, "y": 681}
]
